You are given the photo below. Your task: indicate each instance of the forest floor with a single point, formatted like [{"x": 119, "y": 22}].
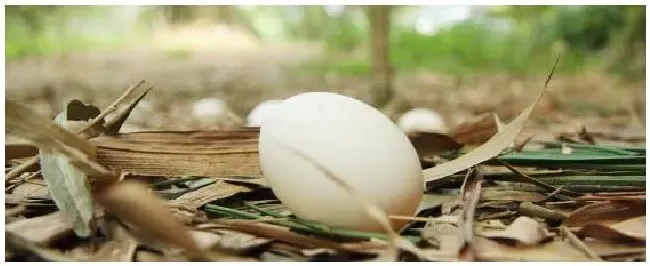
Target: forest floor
[{"x": 185, "y": 66}]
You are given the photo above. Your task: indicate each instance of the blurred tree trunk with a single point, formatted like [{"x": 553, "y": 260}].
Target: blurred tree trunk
[
  {"x": 177, "y": 14},
  {"x": 226, "y": 14},
  {"x": 379, "y": 21}
]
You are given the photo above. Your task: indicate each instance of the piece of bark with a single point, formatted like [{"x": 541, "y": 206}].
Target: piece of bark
[
  {"x": 196, "y": 199},
  {"x": 181, "y": 153}
]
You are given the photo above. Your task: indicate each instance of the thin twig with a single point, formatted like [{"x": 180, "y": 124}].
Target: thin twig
[
  {"x": 18, "y": 170},
  {"x": 22, "y": 181}
]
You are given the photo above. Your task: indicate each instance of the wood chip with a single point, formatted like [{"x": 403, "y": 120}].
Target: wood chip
[{"x": 218, "y": 190}]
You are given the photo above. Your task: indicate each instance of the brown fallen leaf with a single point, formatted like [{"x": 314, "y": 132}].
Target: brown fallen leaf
[
  {"x": 605, "y": 212},
  {"x": 524, "y": 231},
  {"x": 131, "y": 202},
  {"x": 470, "y": 195},
  {"x": 629, "y": 230},
  {"x": 476, "y": 131},
  {"x": 427, "y": 143}
]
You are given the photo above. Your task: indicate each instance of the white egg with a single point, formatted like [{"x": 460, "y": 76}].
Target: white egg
[
  {"x": 422, "y": 120},
  {"x": 261, "y": 112},
  {"x": 209, "y": 110},
  {"x": 354, "y": 141}
]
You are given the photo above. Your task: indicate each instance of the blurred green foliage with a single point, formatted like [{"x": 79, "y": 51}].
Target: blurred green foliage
[
  {"x": 46, "y": 30},
  {"x": 611, "y": 36},
  {"x": 587, "y": 36}
]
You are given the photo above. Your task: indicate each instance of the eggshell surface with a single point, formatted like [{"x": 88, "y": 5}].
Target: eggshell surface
[{"x": 355, "y": 142}]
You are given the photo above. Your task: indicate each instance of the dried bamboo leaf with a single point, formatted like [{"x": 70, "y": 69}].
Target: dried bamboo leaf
[{"x": 490, "y": 149}]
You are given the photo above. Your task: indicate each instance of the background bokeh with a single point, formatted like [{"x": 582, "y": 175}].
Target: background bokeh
[{"x": 460, "y": 61}]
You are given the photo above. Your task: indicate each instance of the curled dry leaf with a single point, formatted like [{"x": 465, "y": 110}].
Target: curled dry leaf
[
  {"x": 131, "y": 202},
  {"x": 629, "y": 230},
  {"x": 523, "y": 231}
]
